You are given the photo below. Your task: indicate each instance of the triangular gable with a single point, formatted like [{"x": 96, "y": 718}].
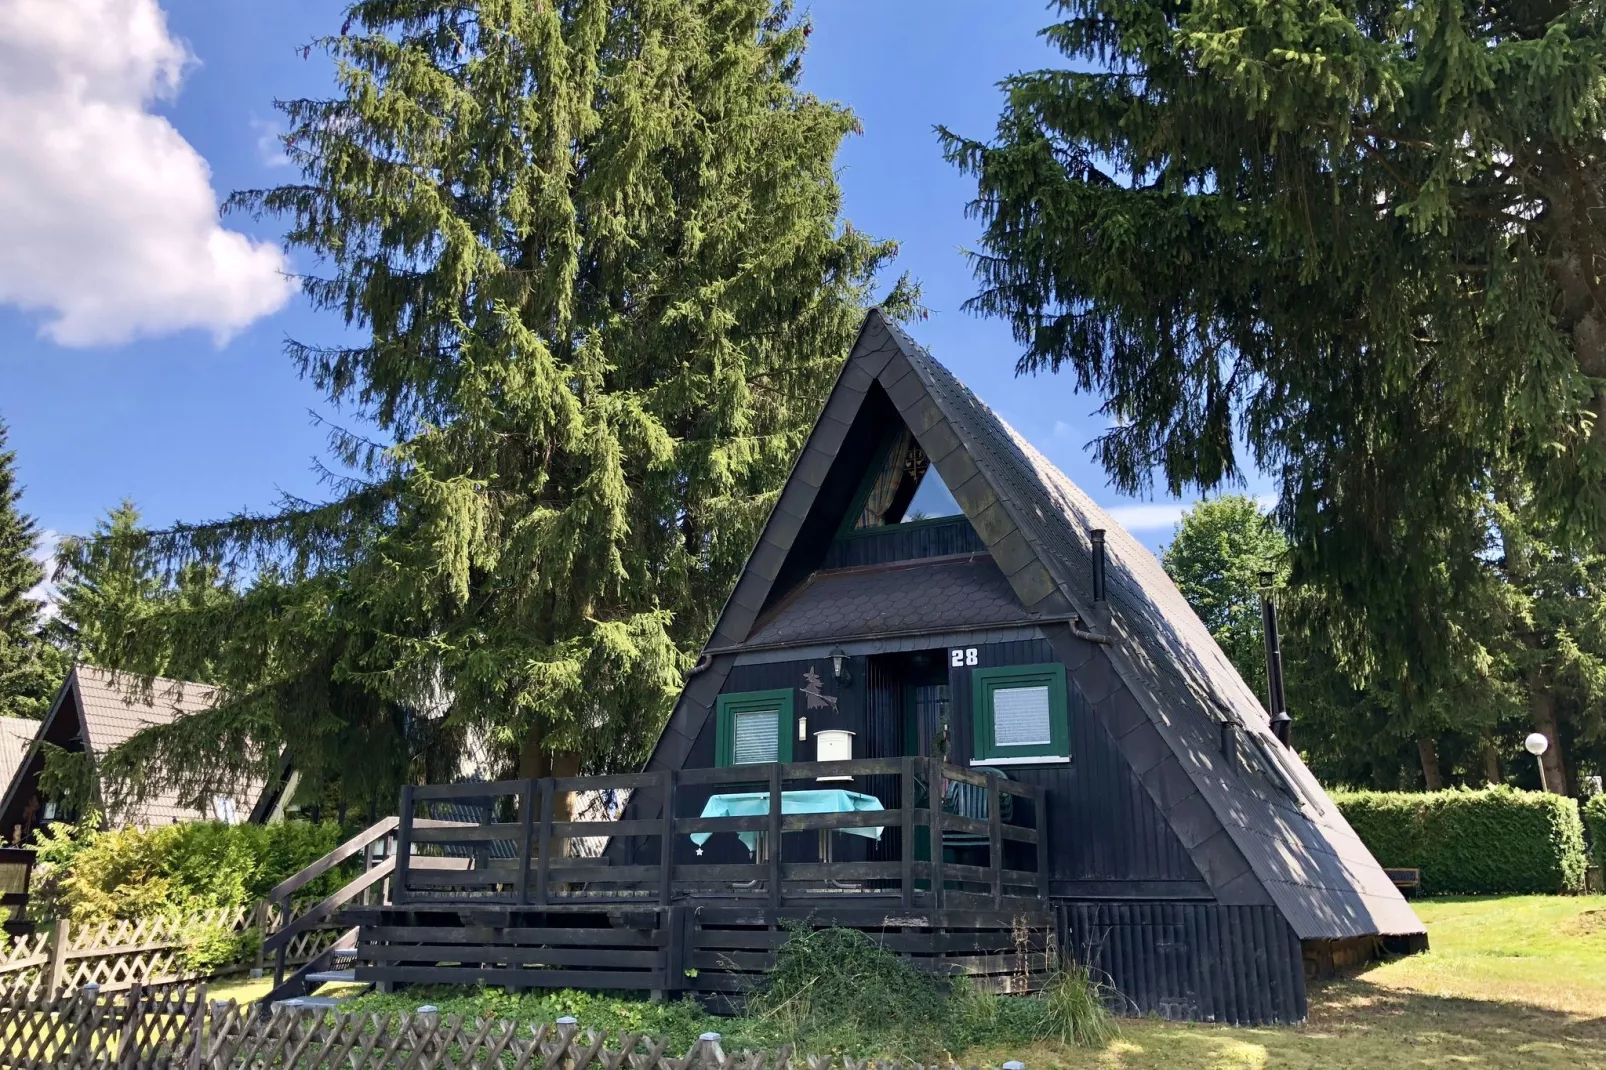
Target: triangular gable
[{"x": 1178, "y": 689}]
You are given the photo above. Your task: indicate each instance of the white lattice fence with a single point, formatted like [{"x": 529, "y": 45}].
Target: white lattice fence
[{"x": 119, "y": 954}]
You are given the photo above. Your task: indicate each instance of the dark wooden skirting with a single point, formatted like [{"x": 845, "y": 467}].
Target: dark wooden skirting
[
  {"x": 717, "y": 953},
  {"x": 1131, "y": 889},
  {"x": 1239, "y": 965}
]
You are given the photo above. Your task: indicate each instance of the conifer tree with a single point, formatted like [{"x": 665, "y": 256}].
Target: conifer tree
[
  {"x": 1363, "y": 236},
  {"x": 29, "y": 667},
  {"x": 595, "y": 252}
]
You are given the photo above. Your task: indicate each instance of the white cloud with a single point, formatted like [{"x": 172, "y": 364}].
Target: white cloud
[
  {"x": 1149, "y": 517},
  {"x": 108, "y": 220},
  {"x": 45, "y": 553},
  {"x": 270, "y": 143}
]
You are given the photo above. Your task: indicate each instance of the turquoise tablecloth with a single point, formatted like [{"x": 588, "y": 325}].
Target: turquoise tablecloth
[{"x": 815, "y": 801}]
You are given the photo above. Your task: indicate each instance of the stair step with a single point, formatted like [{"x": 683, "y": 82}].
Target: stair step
[
  {"x": 345, "y": 953},
  {"x": 328, "y": 977},
  {"x": 309, "y": 1001}
]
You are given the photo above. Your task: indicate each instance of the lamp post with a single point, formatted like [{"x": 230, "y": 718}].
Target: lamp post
[{"x": 1536, "y": 744}]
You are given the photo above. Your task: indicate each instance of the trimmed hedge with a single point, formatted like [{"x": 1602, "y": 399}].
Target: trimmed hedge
[
  {"x": 1491, "y": 841},
  {"x": 1595, "y": 822}
]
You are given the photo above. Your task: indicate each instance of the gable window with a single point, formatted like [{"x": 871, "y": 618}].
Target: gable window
[
  {"x": 754, "y": 727},
  {"x": 1020, "y": 715},
  {"x": 902, "y": 487}
]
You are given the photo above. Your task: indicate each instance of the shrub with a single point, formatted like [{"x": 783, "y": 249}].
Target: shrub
[
  {"x": 1491, "y": 841},
  {"x": 211, "y": 948},
  {"x": 1595, "y": 824},
  {"x": 90, "y": 874}
]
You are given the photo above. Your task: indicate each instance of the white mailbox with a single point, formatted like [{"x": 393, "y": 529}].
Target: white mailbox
[{"x": 833, "y": 745}]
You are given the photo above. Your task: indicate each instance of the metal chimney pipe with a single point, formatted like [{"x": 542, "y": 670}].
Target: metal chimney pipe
[
  {"x": 1276, "y": 700},
  {"x": 1100, "y": 591}
]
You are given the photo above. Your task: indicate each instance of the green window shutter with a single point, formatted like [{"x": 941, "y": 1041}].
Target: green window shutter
[
  {"x": 754, "y": 727},
  {"x": 1019, "y": 713}
]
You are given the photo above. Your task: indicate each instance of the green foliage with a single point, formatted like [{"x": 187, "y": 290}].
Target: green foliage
[
  {"x": 832, "y": 988},
  {"x": 832, "y": 991},
  {"x": 90, "y": 874},
  {"x": 1342, "y": 234},
  {"x": 1594, "y": 814},
  {"x": 1217, "y": 557},
  {"x": 1493, "y": 841},
  {"x": 598, "y": 283},
  {"x": 30, "y": 668},
  {"x": 210, "y": 948}
]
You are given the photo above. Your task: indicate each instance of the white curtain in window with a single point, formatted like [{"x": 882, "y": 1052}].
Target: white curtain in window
[
  {"x": 1020, "y": 717},
  {"x": 758, "y": 736}
]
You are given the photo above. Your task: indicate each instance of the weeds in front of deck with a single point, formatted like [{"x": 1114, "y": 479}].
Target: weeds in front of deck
[{"x": 832, "y": 991}]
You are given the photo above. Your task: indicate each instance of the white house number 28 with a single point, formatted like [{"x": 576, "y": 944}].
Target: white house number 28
[{"x": 959, "y": 658}]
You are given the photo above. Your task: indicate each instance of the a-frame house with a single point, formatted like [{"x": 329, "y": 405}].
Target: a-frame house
[{"x": 935, "y": 601}]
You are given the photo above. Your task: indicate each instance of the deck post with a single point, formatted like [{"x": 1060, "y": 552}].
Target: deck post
[
  {"x": 404, "y": 847},
  {"x": 906, "y": 792},
  {"x": 775, "y": 835},
  {"x": 995, "y": 840},
  {"x": 543, "y": 841},
  {"x": 934, "y": 796},
  {"x": 527, "y": 806},
  {"x": 666, "y": 848}
]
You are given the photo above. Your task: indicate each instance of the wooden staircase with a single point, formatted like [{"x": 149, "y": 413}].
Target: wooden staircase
[{"x": 334, "y": 964}]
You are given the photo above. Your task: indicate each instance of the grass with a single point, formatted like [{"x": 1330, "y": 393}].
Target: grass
[{"x": 1514, "y": 982}]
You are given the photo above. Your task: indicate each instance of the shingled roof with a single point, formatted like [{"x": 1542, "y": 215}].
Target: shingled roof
[
  {"x": 109, "y": 708},
  {"x": 1254, "y": 820}
]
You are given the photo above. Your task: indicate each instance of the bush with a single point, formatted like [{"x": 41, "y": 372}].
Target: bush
[
  {"x": 1492, "y": 841},
  {"x": 89, "y": 874},
  {"x": 211, "y": 948},
  {"x": 1595, "y": 824}
]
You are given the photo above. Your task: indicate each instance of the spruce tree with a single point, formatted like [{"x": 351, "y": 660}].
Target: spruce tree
[
  {"x": 595, "y": 254},
  {"x": 1362, "y": 236},
  {"x": 30, "y": 669}
]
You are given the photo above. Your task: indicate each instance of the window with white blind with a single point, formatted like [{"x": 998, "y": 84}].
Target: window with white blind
[
  {"x": 754, "y": 727},
  {"x": 1020, "y": 714}
]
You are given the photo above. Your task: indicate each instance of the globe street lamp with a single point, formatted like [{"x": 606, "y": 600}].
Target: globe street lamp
[{"x": 1536, "y": 744}]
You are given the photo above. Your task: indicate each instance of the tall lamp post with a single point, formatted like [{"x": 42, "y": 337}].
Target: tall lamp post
[{"x": 1536, "y": 744}]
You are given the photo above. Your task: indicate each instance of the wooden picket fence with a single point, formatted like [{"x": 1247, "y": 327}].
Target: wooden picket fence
[
  {"x": 117, "y": 955},
  {"x": 178, "y": 1029}
]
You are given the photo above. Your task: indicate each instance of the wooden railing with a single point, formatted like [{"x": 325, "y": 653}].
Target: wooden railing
[{"x": 515, "y": 854}]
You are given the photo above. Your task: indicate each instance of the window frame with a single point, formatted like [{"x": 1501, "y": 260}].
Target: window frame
[
  {"x": 729, "y": 705},
  {"x": 984, "y": 682}
]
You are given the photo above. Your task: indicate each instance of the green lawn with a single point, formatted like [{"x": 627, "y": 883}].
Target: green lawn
[
  {"x": 1511, "y": 982},
  {"x": 1516, "y": 982}
]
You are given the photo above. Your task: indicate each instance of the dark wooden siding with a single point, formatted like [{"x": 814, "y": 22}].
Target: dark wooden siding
[
  {"x": 1102, "y": 824},
  {"x": 1240, "y": 965},
  {"x": 904, "y": 542}
]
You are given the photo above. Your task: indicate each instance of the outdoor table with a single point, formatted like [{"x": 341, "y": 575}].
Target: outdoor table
[{"x": 812, "y": 801}]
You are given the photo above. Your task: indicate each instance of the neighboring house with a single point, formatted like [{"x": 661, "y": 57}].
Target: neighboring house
[
  {"x": 16, "y": 734},
  {"x": 98, "y": 710}
]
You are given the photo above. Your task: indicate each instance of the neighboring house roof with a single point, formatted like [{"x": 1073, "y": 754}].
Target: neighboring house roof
[
  {"x": 110, "y": 708},
  {"x": 1259, "y": 828},
  {"x": 878, "y": 599},
  {"x": 16, "y": 733}
]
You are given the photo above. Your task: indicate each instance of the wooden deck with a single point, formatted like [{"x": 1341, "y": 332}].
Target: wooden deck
[{"x": 519, "y": 908}]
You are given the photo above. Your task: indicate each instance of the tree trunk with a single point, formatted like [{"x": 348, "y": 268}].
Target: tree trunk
[
  {"x": 1429, "y": 751},
  {"x": 535, "y": 761},
  {"x": 1542, "y": 709},
  {"x": 1491, "y": 763}
]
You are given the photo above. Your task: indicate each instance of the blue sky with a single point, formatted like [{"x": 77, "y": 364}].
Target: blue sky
[{"x": 134, "y": 363}]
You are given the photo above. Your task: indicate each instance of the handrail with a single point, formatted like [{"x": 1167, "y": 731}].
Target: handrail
[
  {"x": 325, "y": 908},
  {"x": 522, "y": 878},
  {"x": 296, "y": 881}
]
